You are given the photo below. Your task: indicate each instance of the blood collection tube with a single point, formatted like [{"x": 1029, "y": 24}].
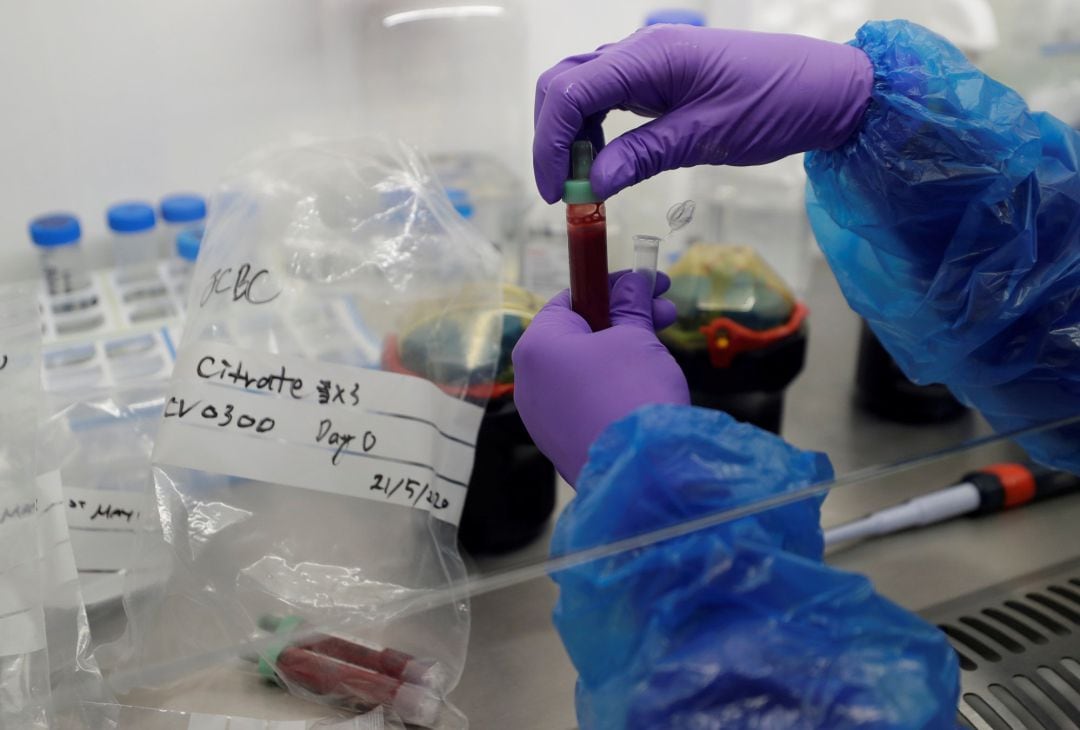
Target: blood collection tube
[
  {"x": 350, "y": 686},
  {"x": 391, "y": 662},
  {"x": 586, "y": 236}
]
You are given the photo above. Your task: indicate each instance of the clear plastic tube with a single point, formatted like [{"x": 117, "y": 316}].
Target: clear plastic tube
[
  {"x": 586, "y": 235},
  {"x": 135, "y": 241},
  {"x": 134, "y": 255},
  {"x": 646, "y": 253},
  {"x": 586, "y": 231},
  {"x": 56, "y": 237}
]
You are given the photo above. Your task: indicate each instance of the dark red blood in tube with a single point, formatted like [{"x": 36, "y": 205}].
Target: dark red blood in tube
[
  {"x": 387, "y": 661},
  {"x": 347, "y": 651},
  {"x": 586, "y": 233},
  {"x": 395, "y": 663},
  {"x": 349, "y": 685}
]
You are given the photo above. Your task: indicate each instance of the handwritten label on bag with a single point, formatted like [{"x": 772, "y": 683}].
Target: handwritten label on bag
[
  {"x": 244, "y": 284},
  {"x": 103, "y": 524},
  {"x": 57, "y": 558},
  {"x": 36, "y": 561},
  {"x": 22, "y": 627},
  {"x": 322, "y": 426},
  {"x": 18, "y": 509}
]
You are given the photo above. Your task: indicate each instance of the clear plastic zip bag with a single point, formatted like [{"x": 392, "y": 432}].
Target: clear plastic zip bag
[
  {"x": 25, "y": 696},
  {"x": 129, "y": 717},
  {"x": 98, "y": 446},
  {"x": 76, "y": 685},
  {"x": 48, "y": 675},
  {"x": 301, "y": 478}
]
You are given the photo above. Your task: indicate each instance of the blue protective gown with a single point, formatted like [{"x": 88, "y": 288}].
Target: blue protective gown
[
  {"x": 740, "y": 625},
  {"x": 952, "y": 221}
]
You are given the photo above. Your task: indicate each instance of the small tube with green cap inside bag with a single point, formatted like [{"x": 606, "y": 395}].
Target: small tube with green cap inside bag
[{"x": 352, "y": 675}]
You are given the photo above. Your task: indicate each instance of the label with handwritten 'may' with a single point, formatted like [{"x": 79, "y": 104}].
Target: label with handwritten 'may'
[
  {"x": 22, "y": 620},
  {"x": 103, "y": 523},
  {"x": 322, "y": 426}
]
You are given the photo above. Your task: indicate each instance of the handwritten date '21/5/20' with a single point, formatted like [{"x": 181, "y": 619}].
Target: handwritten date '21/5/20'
[{"x": 413, "y": 490}]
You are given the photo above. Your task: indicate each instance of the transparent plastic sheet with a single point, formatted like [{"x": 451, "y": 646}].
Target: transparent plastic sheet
[
  {"x": 127, "y": 717},
  {"x": 959, "y": 456},
  {"x": 100, "y": 442},
  {"x": 491, "y": 196},
  {"x": 73, "y": 668},
  {"x": 44, "y": 630},
  {"x": 25, "y": 699},
  {"x": 303, "y": 475}
]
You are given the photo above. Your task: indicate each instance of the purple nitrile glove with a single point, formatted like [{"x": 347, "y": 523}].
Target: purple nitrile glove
[
  {"x": 571, "y": 383},
  {"x": 720, "y": 97}
]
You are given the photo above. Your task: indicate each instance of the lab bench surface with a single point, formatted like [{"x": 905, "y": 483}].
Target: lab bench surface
[{"x": 518, "y": 675}]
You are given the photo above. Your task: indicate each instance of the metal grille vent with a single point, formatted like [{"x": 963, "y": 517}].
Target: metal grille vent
[{"x": 1019, "y": 649}]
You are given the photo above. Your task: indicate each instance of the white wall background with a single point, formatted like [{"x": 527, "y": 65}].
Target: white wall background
[{"x": 116, "y": 99}]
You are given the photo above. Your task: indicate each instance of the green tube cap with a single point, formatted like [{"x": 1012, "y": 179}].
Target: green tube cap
[
  {"x": 577, "y": 188},
  {"x": 268, "y": 659}
]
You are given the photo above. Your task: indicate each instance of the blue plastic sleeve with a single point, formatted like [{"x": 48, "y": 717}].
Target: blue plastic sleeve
[
  {"x": 740, "y": 625},
  {"x": 952, "y": 222}
]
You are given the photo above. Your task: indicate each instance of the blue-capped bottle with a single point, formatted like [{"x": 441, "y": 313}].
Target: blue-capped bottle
[
  {"x": 56, "y": 237},
  {"x": 676, "y": 16},
  {"x": 134, "y": 241},
  {"x": 179, "y": 212},
  {"x": 459, "y": 198},
  {"x": 188, "y": 242}
]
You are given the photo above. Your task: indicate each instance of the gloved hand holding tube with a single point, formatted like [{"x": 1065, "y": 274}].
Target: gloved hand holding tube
[
  {"x": 948, "y": 210},
  {"x": 716, "y": 97},
  {"x": 570, "y": 383},
  {"x": 586, "y": 239}
]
